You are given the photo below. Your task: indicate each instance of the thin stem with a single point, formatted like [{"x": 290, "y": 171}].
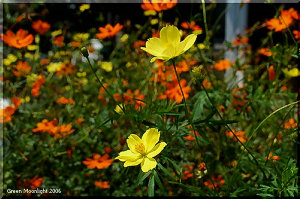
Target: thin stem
[
  {"x": 110, "y": 95},
  {"x": 204, "y": 18},
  {"x": 255, "y": 160}
]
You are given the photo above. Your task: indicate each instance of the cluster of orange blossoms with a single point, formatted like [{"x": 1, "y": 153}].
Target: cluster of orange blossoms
[
  {"x": 265, "y": 51},
  {"x": 223, "y": 64},
  {"x": 290, "y": 124},
  {"x": 191, "y": 135},
  {"x": 6, "y": 113},
  {"x": 109, "y": 31},
  {"x": 217, "y": 183},
  {"x": 22, "y": 69},
  {"x": 284, "y": 20},
  {"x": 130, "y": 97},
  {"x": 35, "y": 91},
  {"x": 65, "y": 70},
  {"x": 63, "y": 100},
  {"x": 51, "y": 127},
  {"x": 19, "y": 40},
  {"x": 34, "y": 183},
  {"x": 98, "y": 161},
  {"x": 239, "y": 134},
  {"x": 41, "y": 27},
  {"x": 239, "y": 100},
  {"x": 102, "y": 184},
  {"x": 165, "y": 75},
  {"x": 158, "y": 5}
]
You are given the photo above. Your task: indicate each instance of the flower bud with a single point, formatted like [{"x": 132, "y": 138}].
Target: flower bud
[{"x": 84, "y": 52}]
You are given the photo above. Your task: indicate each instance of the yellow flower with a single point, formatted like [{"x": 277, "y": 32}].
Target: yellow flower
[
  {"x": 119, "y": 108},
  {"x": 107, "y": 66},
  {"x": 142, "y": 151},
  {"x": 154, "y": 21},
  {"x": 80, "y": 37},
  {"x": 124, "y": 38},
  {"x": 53, "y": 67},
  {"x": 84, "y": 7},
  {"x": 292, "y": 73},
  {"x": 168, "y": 45},
  {"x": 32, "y": 47},
  {"x": 149, "y": 13}
]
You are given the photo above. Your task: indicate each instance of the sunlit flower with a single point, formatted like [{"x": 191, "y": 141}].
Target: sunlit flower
[
  {"x": 98, "y": 161},
  {"x": 217, "y": 182},
  {"x": 142, "y": 151},
  {"x": 292, "y": 73},
  {"x": 34, "y": 183},
  {"x": 64, "y": 70},
  {"x": 271, "y": 157},
  {"x": 19, "y": 40},
  {"x": 284, "y": 20},
  {"x": 109, "y": 31},
  {"x": 107, "y": 66},
  {"x": 11, "y": 58},
  {"x": 168, "y": 45},
  {"x": 79, "y": 121},
  {"x": 240, "y": 40},
  {"x": 84, "y": 7},
  {"x": 290, "y": 124},
  {"x": 54, "y": 66},
  {"x": 51, "y": 127},
  {"x": 296, "y": 34},
  {"x": 173, "y": 91},
  {"x": 223, "y": 64},
  {"x": 192, "y": 25},
  {"x": 40, "y": 26},
  {"x": 102, "y": 184},
  {"x": 158, "y": 5},
  {"x": 22, "y": 69},
  {"x": 119, "y": 108}
]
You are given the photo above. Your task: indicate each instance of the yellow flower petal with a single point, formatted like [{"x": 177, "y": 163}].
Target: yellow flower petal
[
  {"x": 150, "y": 138},
  {"x": 133, "y": 163},
  {"x": 156, "y": 150},
  {"x": 154, "y": 46},
  {"x": 132, "y": 141},
  {"x": 148, "y": 164},
  {"x": 170, "y": 35},
  {"x": 292, "y": 73},
  {"x": 128, "y": 156}
]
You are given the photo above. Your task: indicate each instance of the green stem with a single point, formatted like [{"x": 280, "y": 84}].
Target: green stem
[
  {"x": 228, "y": 127},
  {"x": 204, "y": 18}
]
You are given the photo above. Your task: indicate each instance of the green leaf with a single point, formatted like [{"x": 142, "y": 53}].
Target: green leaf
[
  {"x": 190, "y": 188},
  {"x": 151, "y": 187},
  {"x": 158, "y": 182},
  {"x": 142, "y": 177},
  {"x": 166, "y": 171}
]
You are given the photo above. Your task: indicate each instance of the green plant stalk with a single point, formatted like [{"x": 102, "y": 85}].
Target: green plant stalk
[
  {"x": 204, "y": 18},
  {"x": 249, "y": 152},
  {"x": 110, "y": 95},
  {"x": 186, "y": 115}
]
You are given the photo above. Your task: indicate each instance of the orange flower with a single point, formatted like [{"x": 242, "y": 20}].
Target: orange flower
[
  {"x": 75, "y": 44},
  {"x": 98, "y": 161},
  {"x": 296, "y": 34},
  {"x": 270, "y": 156},
  {"x": 63, "y": 100},
  {"x": 188, "y": 172},
  {"x": 271, "y": 72},
  {"x": 36, "y": 182},
  {"x": 265, "y": 51},
  {"x": 50, "y": 127},
  {"x": 79, "y": 121},
  {"x": 191, "y": 135},
  {"x": 158, "y": 5},
  {"x": 240, "y": 134},
  {"x": 206, "y": 84},
  {"x": 134, "y": 98},
  {"x": 192, "y": 25},
  {"x": 283, "y": 21},
  {"x": 102, "y": 184},
  {"x": 107, "y": 149},
  {"x": 139, "y": 44},
  {"x": 173, "y": 91},
  {"x": 109, "y": 31},
  {"x": 238, "y": 99},
  {"x": 240, "y": 40},
  {"x": 223, "y": 64},
  {"x": 23, "y": 69},
  {"x": 217, "y": 183},
  {"x": 222, "y": 108},
  {"x": 59, "y": 41},
  {"x": 35, "y": 91},
  {"x": 40, "y": 26},
  {"x": 44, "y": 61},
  {"x": 65, "y": 70},
  {"x": 6, "y": 113},
  {"x": 290, "y": 124},
  {"x": 19, "y": 40}
]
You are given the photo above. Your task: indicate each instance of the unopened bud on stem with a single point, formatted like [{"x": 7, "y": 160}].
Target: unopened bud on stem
[{"x": 84, "y": 52}]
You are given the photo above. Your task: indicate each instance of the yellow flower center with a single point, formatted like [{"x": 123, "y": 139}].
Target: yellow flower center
[{"x": 140, "y": 148}]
